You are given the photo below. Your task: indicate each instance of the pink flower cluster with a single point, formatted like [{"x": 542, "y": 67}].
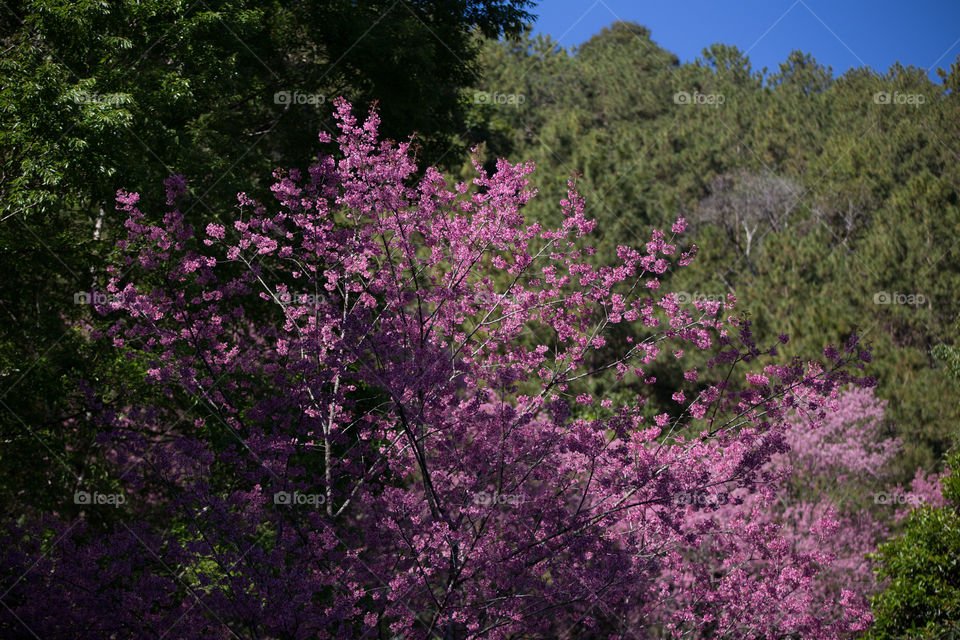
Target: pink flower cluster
[{"x": 398, "y": 457}]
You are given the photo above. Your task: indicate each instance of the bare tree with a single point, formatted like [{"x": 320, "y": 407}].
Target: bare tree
[{"x": 747, "y": 206}]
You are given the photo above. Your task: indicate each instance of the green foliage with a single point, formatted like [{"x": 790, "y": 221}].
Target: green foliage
[
  {"x": 949, "y": 356},
  {"x": 922, "y": 597},
  {"x": 819, "y": 205}
]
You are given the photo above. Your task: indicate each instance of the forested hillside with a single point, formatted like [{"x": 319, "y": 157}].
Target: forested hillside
[{"x": 825, "y": 204}]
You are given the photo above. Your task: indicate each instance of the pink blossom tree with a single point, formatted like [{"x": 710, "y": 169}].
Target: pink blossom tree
[
  {"x": 843, "y": 468},
  {"x": 831, "y": 497},
  {"x": 354, "y": 437}
]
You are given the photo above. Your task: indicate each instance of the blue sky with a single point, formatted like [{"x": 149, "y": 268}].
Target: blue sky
[{"x": 839, "y": 33}]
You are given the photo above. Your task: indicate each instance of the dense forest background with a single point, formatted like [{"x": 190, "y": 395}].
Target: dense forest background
[
  {"x": 826, "y": 204},
  {"x": 821, "y": 206}
]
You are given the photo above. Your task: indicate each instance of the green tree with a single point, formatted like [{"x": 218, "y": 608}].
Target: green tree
[{"x": 922, "y": 566}]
